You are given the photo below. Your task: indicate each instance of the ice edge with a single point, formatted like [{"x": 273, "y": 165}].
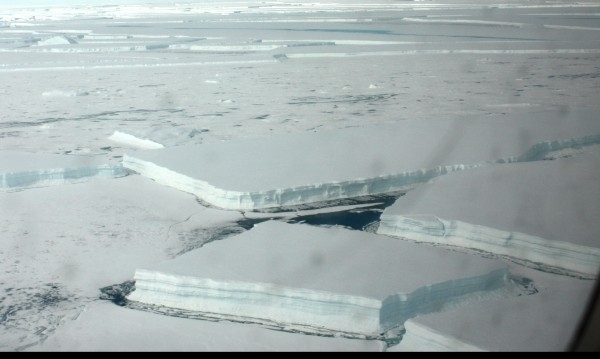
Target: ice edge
[
  {"x": 57, "y": 176},
  {"x": 257, "y": 200},
  {"x": 293, "y": 196},
  {"x": 582, "y": 260},
  {"x": 313, "y": 310}
]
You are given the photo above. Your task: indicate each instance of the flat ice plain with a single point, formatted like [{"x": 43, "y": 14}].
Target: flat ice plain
[{"x": 467, "y": 131}]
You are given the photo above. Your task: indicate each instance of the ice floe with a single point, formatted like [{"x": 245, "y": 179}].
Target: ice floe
[
  {"x": 295, "y": 277},
  {"x": 134, "y": 141},
  {"x": 542, "y": 213},
  {"x": 157, "y": 137},
  {"x": 291, "y": 170}
]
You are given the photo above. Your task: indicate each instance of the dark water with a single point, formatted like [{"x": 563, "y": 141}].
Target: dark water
[
  {"x": 358, "y": 219},
  {"x": 117, "y": 293}
]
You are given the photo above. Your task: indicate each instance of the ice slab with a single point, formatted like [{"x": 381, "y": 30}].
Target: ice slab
[
  {"x": 288, "y": 170},
  {"x": 134, "y": 141},
  {"x": 25, "y": 170},
  {"x": 544, "y": 213},
  {"x": 57, "y": 40},
  {"x": 544, "y": 321},
  {"x": 319, "y": 280},
  {"x": 157, "y": 137}
]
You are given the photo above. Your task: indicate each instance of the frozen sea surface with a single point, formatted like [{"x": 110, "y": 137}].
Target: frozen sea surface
[{"x": 85, "y": 86}]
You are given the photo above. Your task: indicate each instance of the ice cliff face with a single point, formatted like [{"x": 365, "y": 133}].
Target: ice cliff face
[
  {"x": 304, "y": 309},
  {"x": 261, "y": 302},
  {"x": 20, "y": 170},
  {"x": 50, "y": 177},
  {"x": 552, "y": 255},
  {"x": 295, "y": 196}
]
